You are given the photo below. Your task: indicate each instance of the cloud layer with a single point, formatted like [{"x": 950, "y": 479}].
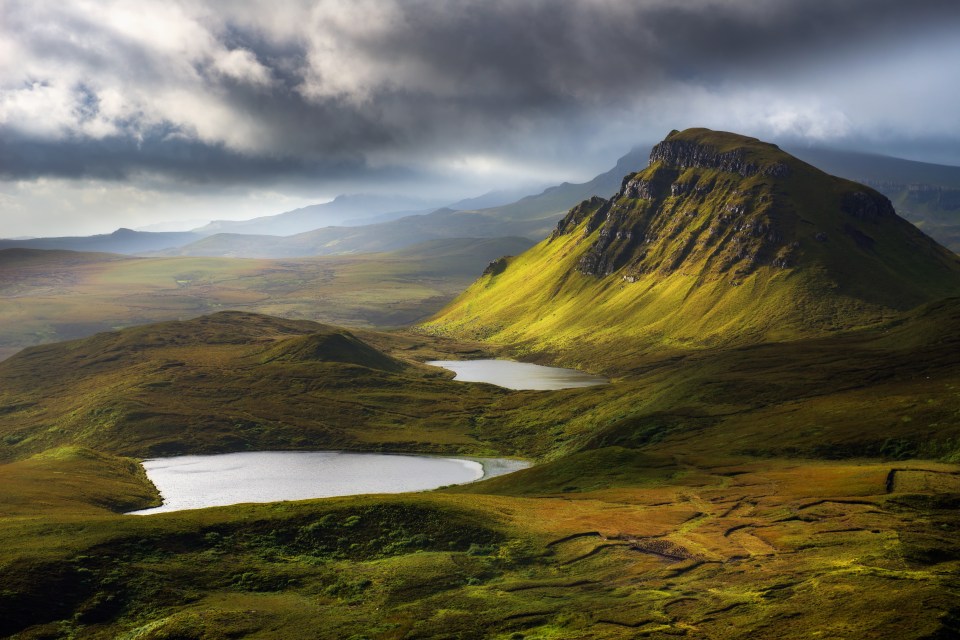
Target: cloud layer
[{"x": 316, "y": 97}]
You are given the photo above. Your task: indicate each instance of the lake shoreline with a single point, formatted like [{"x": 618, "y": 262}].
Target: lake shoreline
[
  {"x": 203, "y": 481},
  {"x": 518, "y": 376}
]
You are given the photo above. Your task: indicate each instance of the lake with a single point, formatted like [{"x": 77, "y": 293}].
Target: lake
[
  {"x": 519, "y": 375},
  {"x": 196, "y": 482}
]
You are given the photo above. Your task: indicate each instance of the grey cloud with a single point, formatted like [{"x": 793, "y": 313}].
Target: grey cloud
[
  {"x": 190, "y": 164},
  {"x": 508, "y": 58},
  {"x": 518, "y": 78},
  {"x": 540, "y": 53}
]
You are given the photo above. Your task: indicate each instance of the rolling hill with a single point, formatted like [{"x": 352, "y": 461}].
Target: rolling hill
[{"x": 225, "y": 381}]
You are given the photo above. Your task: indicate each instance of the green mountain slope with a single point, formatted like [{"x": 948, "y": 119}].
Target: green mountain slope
[
  {"x": 722, "y": 239},
  {"x": 928, "y": 195}
]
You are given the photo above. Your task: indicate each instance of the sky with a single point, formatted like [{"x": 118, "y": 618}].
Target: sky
[{"x": 129, "y": 113}]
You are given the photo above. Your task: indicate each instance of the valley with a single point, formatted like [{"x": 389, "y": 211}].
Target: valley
[
  {"x": 776, "y": 453},
  {"x": 60, "y": 295}
]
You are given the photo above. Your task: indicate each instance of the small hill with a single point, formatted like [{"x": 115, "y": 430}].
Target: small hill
[
  {"x": 722, "y": 239},
  {"x": 231, "y": 381},
  {"x": 332, "y": 346}
]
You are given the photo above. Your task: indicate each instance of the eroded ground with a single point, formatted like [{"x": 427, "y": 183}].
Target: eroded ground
[{"x": 762, "y": 549}]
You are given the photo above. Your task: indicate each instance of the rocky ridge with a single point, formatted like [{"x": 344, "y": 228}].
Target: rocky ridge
[{"x": 703, "y": 209}]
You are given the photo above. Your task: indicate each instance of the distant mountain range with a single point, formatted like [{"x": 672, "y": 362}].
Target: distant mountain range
[
  {"x": 531, "y": 217},
  {"x": 344, "y": 209},
  {"x": 926, "y": 194},
  {"x": 125, "y": 241}
]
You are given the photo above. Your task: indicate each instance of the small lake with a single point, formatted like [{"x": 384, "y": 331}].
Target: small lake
[
  {"x": 519, "y": 375},
  {"x": 196, "y": 482}
]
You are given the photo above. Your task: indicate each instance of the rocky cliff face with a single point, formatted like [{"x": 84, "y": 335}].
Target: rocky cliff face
[
  {"x": 720, "y": 204},
  {"x": 687, "y": 154}
]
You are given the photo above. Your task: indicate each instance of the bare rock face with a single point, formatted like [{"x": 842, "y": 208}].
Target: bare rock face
[
  {"x": 496, "y": 267},
  {"x": 595, "y": 208},
  {"x": 870, "y": 206},
  {"x": 721, "y": 204},
  {"x": 686, "y": 154}
]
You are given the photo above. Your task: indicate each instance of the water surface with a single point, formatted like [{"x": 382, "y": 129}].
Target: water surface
[
  {"x": 195, "y": 482},
  {"x": 519, "y": 375}
]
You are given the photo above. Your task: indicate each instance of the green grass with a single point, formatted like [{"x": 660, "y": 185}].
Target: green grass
[
  {"x": 233, "y": 381},
  {"x": 711, "y": 552},
  {"x": 682, "y": 499}
]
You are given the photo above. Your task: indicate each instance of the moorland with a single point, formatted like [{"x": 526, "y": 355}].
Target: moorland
[{"x": 776, "y": 455}]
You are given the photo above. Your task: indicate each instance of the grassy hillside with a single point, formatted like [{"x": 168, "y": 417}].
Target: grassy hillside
[
  {"x": 721, "y": 240},
  {"x": 709, "y": 493},
  {"x": 229, "y": 382},
  {"x": 928, "y": 195},
  {"x": 59, "y": 295}
]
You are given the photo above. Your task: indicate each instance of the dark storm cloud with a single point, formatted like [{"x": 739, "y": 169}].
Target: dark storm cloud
[
  {"x": 322, "y": 92},
  {"x": 541, "y": 54},
  {"x": 431, "y": 74},
  {"x": 118, "y": 158}
]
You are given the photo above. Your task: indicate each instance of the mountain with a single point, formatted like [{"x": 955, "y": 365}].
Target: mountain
[
  {"x": 742, "y": 490},
  {"x": 722, "y": 239},
  {"x": 124, "y": 241},
  {"x": 926, "y": 194},
  {"x": 495, "y": 198},
  {"x": 343, "y": 209},
  {"x": 874, "y": 168},
  {"x": 532, "y": 217}
]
